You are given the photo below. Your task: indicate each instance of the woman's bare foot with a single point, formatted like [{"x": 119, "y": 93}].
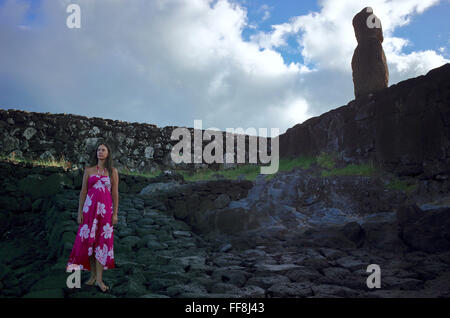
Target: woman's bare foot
[
  {"x": 102, "y": 286},
  {"x": 91, "y": 281}
]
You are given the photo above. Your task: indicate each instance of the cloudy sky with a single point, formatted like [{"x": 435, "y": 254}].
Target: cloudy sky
[{"x": 230, "y": 63}]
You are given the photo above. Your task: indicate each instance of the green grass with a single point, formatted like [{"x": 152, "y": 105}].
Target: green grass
[
  {"x": 49, "y": 163},
  {"x": 61, "y": 162},
  {"x": 146, "y": 174},
  {"x": 250, "y": 172},
  {"x": 302, "y": 162},
  {"x": 325, "y": 161},
  {"x": 401, "y": 185},
  {"x": 289, "y": 164},
  {"x": 351, "y": 170},
  {"x": 328, "y": 161}
]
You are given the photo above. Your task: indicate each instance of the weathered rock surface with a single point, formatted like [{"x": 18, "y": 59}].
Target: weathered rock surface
[
  {"x": 323, "y": 254},
  {"x": 138, "y": 147},
  {"x": 405, "y": 128},
  {"x": 426, "y": 228}
]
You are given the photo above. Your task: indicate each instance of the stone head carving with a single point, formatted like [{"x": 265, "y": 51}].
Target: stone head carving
[
  {"x": 370, "y": 71},
  {"x": 367, "y": 25}
]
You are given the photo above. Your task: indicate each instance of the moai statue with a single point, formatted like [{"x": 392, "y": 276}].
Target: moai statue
[{"x": 370, "y": 71}]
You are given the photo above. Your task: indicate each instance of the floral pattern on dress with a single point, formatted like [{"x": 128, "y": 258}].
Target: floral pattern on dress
[
  {"x": 111, "y": 253},
  {"x": 107, "y": 231},
  {"x": 87, "y": 204},
  {"x": 101, "y": 208},
  {"x": 84, "y": 232},
  {"x": 72, "y": 267},
  {"x": 94, "y": 228},
  {"x": 100, "y": 185},
  {"x": 101, "y": 254},
  {"x": 108, "y": 184}
]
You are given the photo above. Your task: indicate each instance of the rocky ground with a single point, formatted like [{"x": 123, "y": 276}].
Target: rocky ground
[{"x": 315, "y": 250}]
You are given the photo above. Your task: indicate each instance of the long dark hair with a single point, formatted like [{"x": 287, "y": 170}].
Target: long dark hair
[{"x": 109, "y": 159}]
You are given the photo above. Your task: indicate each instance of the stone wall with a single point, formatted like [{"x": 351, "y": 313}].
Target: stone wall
[
  {"x": 38, "y": 212},
  {"x": 24, "y": 187},
  {"x": 405, "y": 128},
  {"x": 195, "y": 203},
  {"x": 136, "y": 146}
]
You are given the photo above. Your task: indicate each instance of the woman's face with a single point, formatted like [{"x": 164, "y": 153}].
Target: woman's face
[{"x": 102, "y": 152}]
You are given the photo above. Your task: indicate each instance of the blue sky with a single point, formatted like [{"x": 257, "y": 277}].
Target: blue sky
[
  {"x": 429, "y": 30},
  {"x": 278, "y": 12},
  {"x": 230, "y": 63}
]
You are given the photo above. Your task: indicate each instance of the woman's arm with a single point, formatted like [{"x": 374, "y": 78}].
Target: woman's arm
[
  {"x": 115, "y": 191},
  {"x": 83, "y": 194}
]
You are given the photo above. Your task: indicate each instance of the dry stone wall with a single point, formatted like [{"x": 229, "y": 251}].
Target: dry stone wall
[{"x": 136, "y": 146}]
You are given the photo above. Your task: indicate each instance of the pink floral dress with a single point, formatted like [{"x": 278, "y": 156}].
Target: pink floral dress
[{"x": 95, "y": 234}]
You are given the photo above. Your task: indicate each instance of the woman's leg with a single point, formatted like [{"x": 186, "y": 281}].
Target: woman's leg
[
  {"x": 93, "y": 271},
  {"x": 100, "y": 275}
]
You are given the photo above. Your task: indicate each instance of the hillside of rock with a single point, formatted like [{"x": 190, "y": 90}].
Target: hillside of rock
[
  {"x": 405, "y": 128},
  {"x": 297, "y": 235}
]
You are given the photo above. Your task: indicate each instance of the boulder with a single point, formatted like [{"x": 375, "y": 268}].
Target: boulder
[
  {"x": 425, "y": 230},
  {"x": 354, "y": 232}
]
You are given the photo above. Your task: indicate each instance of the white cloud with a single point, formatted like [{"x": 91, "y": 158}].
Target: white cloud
[
  {"x": 327, "y": 37},
  {"x": 168, "y": 62},
  {"x": 163, "y": 62},
  {"x": 266, "y": 12}
]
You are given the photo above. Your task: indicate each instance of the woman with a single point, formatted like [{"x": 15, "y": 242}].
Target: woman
[{"x": 97, "y": 213}]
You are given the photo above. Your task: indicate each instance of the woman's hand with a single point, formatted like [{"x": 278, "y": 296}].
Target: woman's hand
[
  {"x": 115, "y": 219},
  {"x": 80, "y": 218}
]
